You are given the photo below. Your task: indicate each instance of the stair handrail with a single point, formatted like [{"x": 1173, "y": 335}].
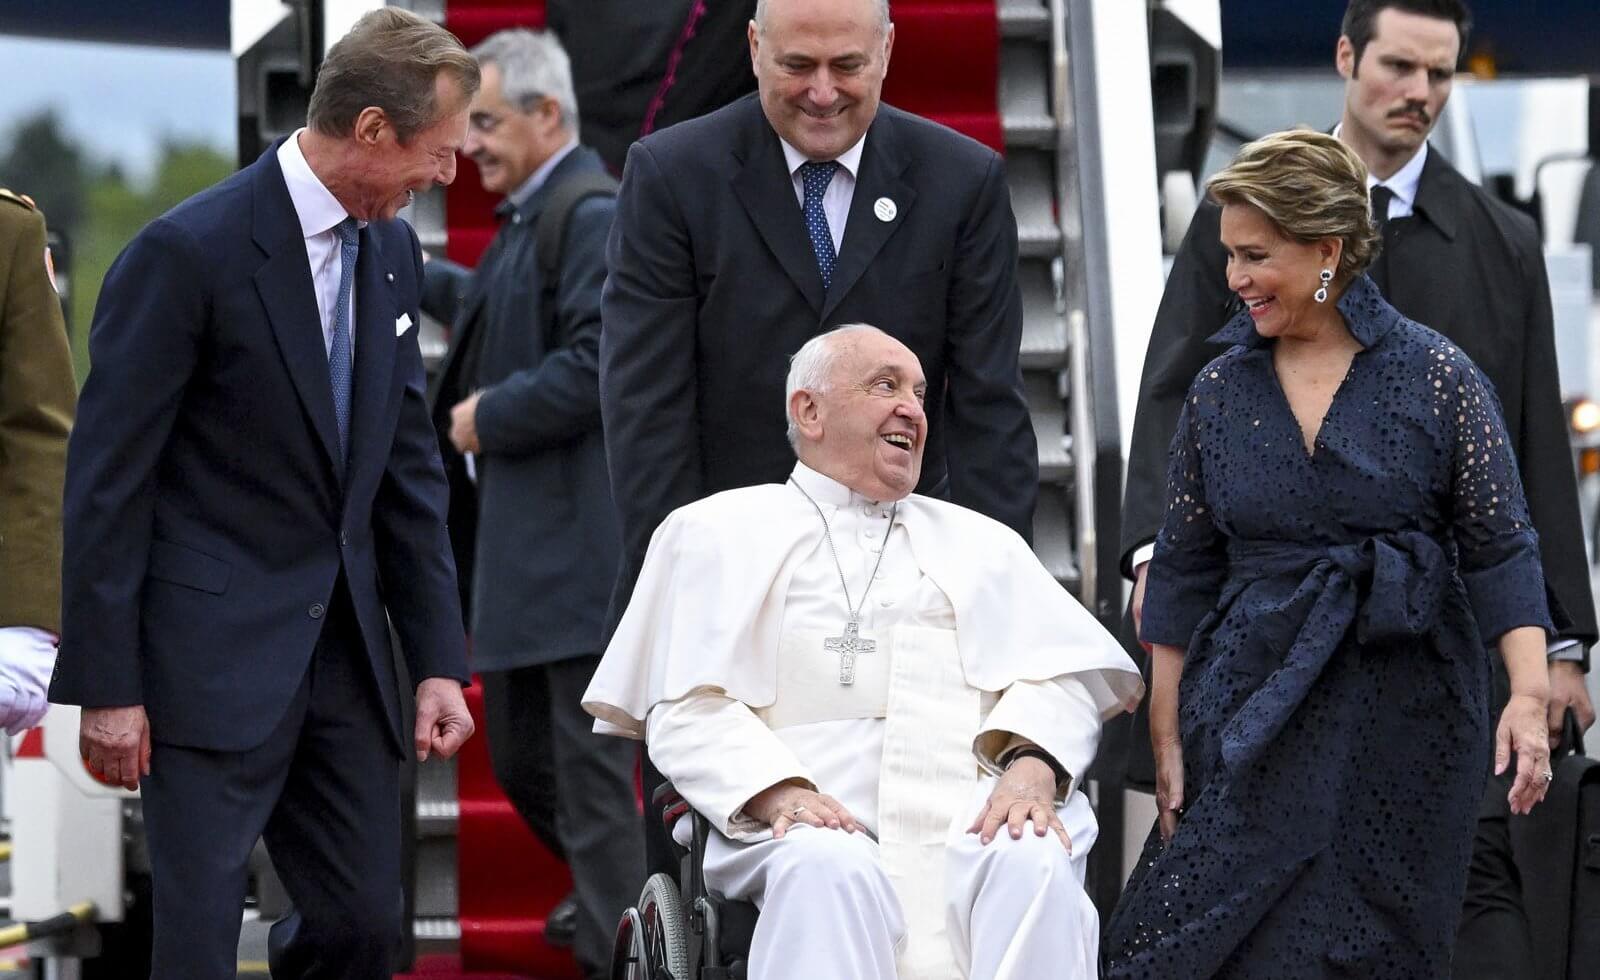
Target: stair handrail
[{"x": 1091, "y": 371}]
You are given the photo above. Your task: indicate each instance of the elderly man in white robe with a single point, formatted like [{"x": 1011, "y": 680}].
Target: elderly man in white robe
[{"x": 882, "y": 702}]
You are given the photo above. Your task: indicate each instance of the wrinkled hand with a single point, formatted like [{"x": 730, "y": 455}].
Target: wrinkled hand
[
  {"x": 1169, "y": 784},
  {"x": 443, "y": 722},
  {"x": 464, "y": 424},
  {"x": 1138, "y": 597},
  {"x": 115, "y": 744},
  {"x": 1026, "y": 791},
  {"x": 1523, "y": 730},
  {"x": 783, "y": 805},
  {"x": 1567, "y": 690}
]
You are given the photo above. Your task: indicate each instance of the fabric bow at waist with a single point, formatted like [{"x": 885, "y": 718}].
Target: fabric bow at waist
[
  {"x": 1398, "y": 580},
  {"x": 1388, "y": 587}
]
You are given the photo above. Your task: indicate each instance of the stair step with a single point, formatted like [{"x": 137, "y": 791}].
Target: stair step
[
  {"x": 1044, "y": 334},
  {"x": 1031, "y": 176},
  {"x": 437, "y": 818},
  {"x": 436, "y": 895},
  {"x": 1024, "y": 19},
  {"x": 1024, "y": 95},
  {"x": 1049, "y": 415},
  {"x": 1052, "y": 536},
  {"x": 436, "y": 933}
]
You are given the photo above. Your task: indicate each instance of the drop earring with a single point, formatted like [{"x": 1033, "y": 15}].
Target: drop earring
[{"x": 1321, "y": 294}]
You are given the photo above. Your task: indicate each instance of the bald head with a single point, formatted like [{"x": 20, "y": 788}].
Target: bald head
[
  {"x": 855, "y": 411},
  {"x": 880, "y": 8},
  {"x": 820, "y": 66}
]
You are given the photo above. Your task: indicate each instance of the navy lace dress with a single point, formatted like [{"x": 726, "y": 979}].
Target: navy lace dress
[{"x": 1335, "y": 608}]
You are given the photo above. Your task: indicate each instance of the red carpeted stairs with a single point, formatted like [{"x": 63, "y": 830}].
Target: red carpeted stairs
[{"x": 945, "y": 66}]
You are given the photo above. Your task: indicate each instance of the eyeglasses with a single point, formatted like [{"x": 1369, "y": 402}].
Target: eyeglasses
[
  {"x": 484, "y": 122},
  {"x": 487, "y": 122}
]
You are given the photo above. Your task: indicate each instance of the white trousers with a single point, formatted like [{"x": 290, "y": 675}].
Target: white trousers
[{"x": 1014, "y": 909}]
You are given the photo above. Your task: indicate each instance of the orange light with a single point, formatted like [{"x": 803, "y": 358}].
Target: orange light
[
  {"x": 1589, "y": 462},
  {"x": 1585, "y": 416}
]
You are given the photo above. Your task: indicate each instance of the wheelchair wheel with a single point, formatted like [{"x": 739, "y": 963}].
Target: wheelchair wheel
[{"x": 653, "y": 938}]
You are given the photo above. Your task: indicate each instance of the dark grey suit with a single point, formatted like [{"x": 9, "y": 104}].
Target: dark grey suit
[{"x": 547, "y": 540}]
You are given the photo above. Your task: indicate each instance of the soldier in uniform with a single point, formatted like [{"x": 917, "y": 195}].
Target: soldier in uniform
[{"x": 37, "y": 396}]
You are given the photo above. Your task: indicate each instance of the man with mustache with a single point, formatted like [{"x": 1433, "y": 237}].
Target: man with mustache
[
  {"x": 742, "y": 234},
  {"x": 519, "y": 394},
  {"x": 1466, "y": 265}
]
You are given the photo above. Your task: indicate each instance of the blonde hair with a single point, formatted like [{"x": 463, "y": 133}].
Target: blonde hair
[{"x": 1311, "y": 187}]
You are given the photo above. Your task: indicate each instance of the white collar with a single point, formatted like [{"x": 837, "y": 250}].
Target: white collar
[
  {"x": 850, "y": 159},
  {"x": 537, "y": 179},
  {"x": 1403, "y": 183},
  {"x": 316, "y": 207},
  {"x": 826, "y": 490}
]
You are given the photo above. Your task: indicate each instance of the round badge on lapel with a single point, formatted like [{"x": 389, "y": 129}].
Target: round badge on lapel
[
  {"x": 884, "y": 209},
  {"x": 388, "y": 277}
]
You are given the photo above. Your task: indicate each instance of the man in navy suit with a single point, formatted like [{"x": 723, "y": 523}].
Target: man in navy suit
[{"x": 253, "y": 495}]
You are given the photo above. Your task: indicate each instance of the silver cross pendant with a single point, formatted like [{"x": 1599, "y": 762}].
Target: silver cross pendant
[{"x": 847, "y": 647}]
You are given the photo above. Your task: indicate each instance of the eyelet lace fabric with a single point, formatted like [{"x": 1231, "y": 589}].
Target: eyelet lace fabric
[{"x": 1334, "y": 607}]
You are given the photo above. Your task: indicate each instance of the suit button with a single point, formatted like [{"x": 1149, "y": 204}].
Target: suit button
[
  {"x": 316, "y": 610},
  {"x": 344, "y": 540}
]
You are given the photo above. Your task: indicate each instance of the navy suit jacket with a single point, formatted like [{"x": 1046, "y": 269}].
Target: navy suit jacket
[
  {"x": 714, "y": 285},
  {"x": 206, "y": 519}
]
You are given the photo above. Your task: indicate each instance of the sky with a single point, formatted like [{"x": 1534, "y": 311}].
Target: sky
[{"x": 120, "y": 101}]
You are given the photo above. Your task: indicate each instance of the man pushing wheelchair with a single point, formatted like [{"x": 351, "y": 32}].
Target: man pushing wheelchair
[{"x": 881, "y": 702}]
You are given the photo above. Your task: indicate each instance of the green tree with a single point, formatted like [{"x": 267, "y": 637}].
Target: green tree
[
  {"x": 117, "y": 211},
  {"x": 43, "y": 162}
]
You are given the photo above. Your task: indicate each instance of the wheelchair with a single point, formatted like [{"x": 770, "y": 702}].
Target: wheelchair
[{"x": 688, "y": 933}]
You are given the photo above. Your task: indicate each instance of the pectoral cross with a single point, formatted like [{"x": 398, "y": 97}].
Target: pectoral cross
[{"x": 847, "y": 646}]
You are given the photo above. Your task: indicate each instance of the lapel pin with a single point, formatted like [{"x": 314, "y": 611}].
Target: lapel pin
[
  {"x": 884, "y": 209},
  {"x": 388, "y": 277}
]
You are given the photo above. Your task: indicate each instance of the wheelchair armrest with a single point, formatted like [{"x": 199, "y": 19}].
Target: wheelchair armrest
[{"x": 671, "y": 805}]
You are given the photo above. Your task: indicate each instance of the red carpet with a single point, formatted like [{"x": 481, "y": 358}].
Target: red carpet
[{"x": 945, "y": 67}]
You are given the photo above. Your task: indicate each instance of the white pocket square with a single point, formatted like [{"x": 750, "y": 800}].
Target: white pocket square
[{"x": 402, "y": 324}]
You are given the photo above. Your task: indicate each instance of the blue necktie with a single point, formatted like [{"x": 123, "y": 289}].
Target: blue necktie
[
  {"x": 815, "y": 178},
  {"x": 339, "y": 360}
]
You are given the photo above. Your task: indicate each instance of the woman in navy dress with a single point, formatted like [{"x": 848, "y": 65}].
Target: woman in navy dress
[{"x": 1345, "y": 534}]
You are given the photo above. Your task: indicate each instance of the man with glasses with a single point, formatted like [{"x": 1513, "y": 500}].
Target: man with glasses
[{"x": 518, "y": 410}]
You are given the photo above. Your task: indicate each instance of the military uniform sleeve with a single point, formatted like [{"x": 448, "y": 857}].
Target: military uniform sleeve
[{"x": 37, "y": 399}]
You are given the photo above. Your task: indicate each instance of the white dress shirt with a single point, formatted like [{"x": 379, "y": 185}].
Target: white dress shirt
[
  {"x": 319, "y": 213},
  {"x": 1403, "y": 183},
  {"x": 841, "y": 190}
]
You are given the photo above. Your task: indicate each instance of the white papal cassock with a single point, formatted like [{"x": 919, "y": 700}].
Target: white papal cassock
[{"x": 720, "y": 660}]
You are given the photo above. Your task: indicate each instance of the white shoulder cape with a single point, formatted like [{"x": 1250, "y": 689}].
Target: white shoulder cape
[{"x": 708, "y": 607}]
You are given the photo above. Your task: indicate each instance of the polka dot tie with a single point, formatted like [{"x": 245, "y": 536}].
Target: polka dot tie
[
  {"x": 815, "y": 178},
  {"x": 339, "y": 360}
]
